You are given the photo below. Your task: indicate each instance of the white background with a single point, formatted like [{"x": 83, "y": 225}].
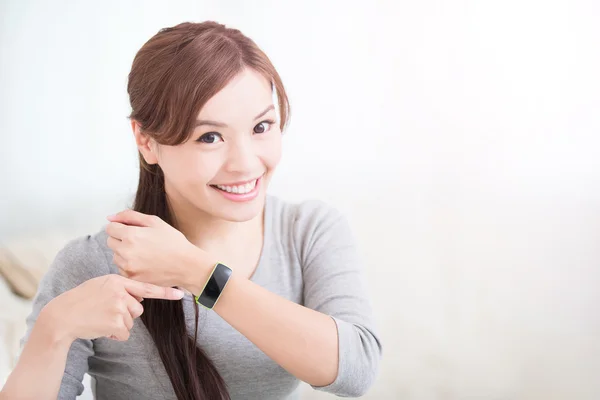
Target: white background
[{"x": 460, "y": 137}]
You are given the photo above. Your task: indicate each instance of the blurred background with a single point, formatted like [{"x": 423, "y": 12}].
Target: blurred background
[{"x": 461, "y": 139}]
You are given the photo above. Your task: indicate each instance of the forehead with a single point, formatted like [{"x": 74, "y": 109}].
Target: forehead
[{"x": 245, "y": 96}]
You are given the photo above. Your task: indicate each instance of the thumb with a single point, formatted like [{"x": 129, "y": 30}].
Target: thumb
[{"x": 133, "y": 218}]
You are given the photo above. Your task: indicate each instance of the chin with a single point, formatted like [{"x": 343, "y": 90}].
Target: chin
[{"x": 242, "y": 212}]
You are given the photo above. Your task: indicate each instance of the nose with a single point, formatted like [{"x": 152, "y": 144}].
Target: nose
[{"x": 241, "y": 158}]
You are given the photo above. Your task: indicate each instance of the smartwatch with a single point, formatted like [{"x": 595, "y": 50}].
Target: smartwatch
[{"x": 214, "y": 286}]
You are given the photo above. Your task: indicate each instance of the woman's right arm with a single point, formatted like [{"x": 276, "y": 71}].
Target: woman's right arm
[
  {"x": 101, "y": 307},
  {"x": 81, "y": 260},
  {"x": 41, "y": 365},
  {"x": 78, "y": 300}
]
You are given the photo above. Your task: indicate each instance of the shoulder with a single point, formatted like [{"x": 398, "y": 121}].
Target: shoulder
[
  {"x": 303, "y": 216},
  {"x": 310, "y": 223},
  {"x": 82, "y": 258}
]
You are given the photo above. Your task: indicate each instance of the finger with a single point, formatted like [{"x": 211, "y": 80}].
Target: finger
[
  {"x": 116, "y": 229},
  {"x": 134, "y": 307},
  {"x": 124, "y": 273},
  {"x": 119, "y": 261},
  {"x": 128, "y": 320},
  {"x": 131, "y": 217},
  {"x": 150, "y": 291},
  {"x": 114, "y": 244},
  {"x": 121, "y": 335},
  {"x": 120, "y": 331}
]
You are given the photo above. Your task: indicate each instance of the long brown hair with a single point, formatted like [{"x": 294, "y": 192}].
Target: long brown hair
[{"x": 173, "y": 75}]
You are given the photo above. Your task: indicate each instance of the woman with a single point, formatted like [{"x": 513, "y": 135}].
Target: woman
[{"x": 281, "y": 284}]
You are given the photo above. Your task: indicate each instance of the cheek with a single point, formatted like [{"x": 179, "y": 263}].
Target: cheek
[
  {"x": 201, "y": 169},
  {"x": 186, "y": 169},
  {"x": 271, "y": 154}
]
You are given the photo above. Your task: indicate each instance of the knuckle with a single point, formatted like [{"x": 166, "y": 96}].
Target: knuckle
[
  {"x": 129, "y": 236},
  {"x": 117, "y": 298},
  {"x": 116, "y": 294},
  {"x": 113, "y": 281},
  {"x": 125, "y": 263},
  {"x": 120, "y": 307},
  {"x": 147, "y": 289},
  {"x": 117, "y": 321}
]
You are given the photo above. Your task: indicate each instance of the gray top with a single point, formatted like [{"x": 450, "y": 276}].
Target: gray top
[{"x": 309, "y": 256}]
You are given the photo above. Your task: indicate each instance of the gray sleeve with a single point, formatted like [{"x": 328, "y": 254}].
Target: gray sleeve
[
  {"x": 334, "y": 285},
  {"x": 79, "y": 261}
]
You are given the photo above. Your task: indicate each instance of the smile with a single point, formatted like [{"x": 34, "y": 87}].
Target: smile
[
  {"x": 238, "y": 189},
  {"x": 247, "y": 191}
]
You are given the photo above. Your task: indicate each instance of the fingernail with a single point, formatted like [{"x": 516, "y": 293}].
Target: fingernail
[
  {"x": 111, "y": 217},
  {"x": 178, "y": 293}
]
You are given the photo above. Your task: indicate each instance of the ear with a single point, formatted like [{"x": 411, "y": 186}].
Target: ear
[{"x": 145, "y": 144}]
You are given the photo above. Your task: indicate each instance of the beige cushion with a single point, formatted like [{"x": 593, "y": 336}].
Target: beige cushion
[
  {"x": 22, "y": 280},
  {"x": 23, "y": 261}
]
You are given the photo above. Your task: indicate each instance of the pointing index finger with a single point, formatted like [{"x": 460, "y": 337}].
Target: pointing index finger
[{"x": 150, "y": 291}]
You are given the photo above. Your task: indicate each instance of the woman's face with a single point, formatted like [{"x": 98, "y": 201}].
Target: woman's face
[{"x": 226, "y": 165}]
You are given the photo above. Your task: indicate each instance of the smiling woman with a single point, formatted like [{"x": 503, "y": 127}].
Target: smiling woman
[{"x": 281, "y": 284}]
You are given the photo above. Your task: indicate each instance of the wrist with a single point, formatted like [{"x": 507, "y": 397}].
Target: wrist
[
  {"x": 199, "y": 267},
  {"x": 52, "y": 328}
]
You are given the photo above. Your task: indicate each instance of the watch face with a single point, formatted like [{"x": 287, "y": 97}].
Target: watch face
[{"x": 214, "y": 286}]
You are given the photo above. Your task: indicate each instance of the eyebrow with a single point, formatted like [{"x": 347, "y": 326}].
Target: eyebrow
[{"x": 201, "y": 122}]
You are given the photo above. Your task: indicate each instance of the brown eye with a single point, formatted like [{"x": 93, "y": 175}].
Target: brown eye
[
  {"x": 210, "y": 137},
  {"x": 263, "y": 127}
]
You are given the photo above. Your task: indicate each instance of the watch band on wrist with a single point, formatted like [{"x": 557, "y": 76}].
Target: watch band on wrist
[{"x": 214, "y": 286}]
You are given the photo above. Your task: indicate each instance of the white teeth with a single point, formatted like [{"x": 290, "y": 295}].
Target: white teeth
[{"x": 241, "y": 189}]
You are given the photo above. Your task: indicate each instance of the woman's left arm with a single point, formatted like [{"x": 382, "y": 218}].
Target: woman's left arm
[
  {"x": 331, "y": 343},
  {"x": 301, "y": 340}
]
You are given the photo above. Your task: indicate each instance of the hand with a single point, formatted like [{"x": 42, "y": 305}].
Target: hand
[
  {"x": 102, "y": 307},
  {"x": 148, "y": 249}
]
